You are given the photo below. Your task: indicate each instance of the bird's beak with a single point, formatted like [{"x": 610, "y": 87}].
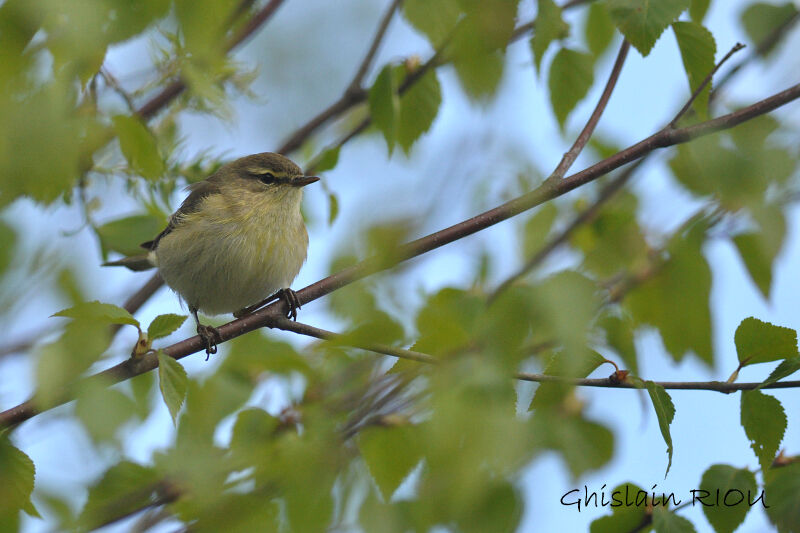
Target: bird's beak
[{"x": 305, "y": 180}]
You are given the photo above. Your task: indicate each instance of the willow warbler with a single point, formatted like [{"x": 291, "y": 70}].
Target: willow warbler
[{"x": 236, "y": 243}]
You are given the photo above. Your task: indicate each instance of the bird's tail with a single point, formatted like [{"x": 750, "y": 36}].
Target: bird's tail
[{"x": 136, "y": 263}]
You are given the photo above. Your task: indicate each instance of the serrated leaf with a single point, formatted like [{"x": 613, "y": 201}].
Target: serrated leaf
[
  {"x": 760, "y": 20},
  {"x": 643, "y": 21},
  {"x": 665, "y": 412},
  {"x": 390, "y": 453},
  {"x": 764, "y": 423},
  {"x": 759, "y": 250},
  {"x": 419, "y": 106},
  {"x": 97, "y": 311},
  {"x": 786, "y": 368},
  {"x": 139, "y": 147},
  {"x": 125, "y": 235},
  {"x": 724, "y": 478},
  {"x": 384, "y": 104},
  {"x": 666, "y": 521},
  {"x": 173, "y": 382},
  {"x": 599, "y": 29},
  {"x": 571, "y": 77},
  {"x": 782, "y": 492},
  {"x": 760, "y": 342},
  {"x": 697, "y": 47},
  {"x": 548, "y": 27},
  {"x": 698, "y": 10},
  {"x": 164, "y": 325},
  {"x": 18, "y": 473}
]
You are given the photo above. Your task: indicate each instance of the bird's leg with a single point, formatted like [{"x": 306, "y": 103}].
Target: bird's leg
[
  {"x": 288, "y": 295},
  {"x": 209, "y": 334}
]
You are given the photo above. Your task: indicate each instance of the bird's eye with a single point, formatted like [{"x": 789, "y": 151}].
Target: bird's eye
[{"x": 267, "y": 179}]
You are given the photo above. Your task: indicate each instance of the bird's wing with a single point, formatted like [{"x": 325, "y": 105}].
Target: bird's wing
[{"x": 199, "y": 191}]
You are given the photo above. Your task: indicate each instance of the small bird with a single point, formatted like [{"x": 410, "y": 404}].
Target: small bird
[{"x": 236, "y": 243}]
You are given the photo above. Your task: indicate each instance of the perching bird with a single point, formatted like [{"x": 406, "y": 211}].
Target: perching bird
[{"x": 236, "y": 243}]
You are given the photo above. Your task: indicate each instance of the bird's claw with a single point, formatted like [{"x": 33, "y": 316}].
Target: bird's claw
[{"x": 210, "y": 336}]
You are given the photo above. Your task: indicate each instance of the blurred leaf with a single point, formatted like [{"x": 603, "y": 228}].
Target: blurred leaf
[
  {"x": 139, "y": 147},
  {"x": 622, "y": 517},
  {"x": 675, "y": 300},
  {"x": 252, "y": 435},
  {"x": 172, "y": 381},
  {"x": 8, "y": 238},
  {"x": 666, "y": 521},
  {"x": 419, "y": 105},
  {"x": 164, "y": 325},
  {"x": 537, "y": 228},
  {"x": 499, "y": 510},
  {"x": 782, "y": 492},
  {"x": 786, "y": 368},
  {"x": 99, "y": 312},
  {"x": 764, "y": 423},
  {"x": 761, "y": 20},
  {"x": 328, "y": 159},
  {"x": 390, "y": 453},
  {"x": 643, "y": 25},
  {"x": 548, "y": 27},
  {"x": 253, "y": 355},
  {"x": 723, "y": 478},
  {"x": 15, "y": 490},
  {"x": 571, "y": 77},
  {"x": 760, "y": 342},
  {"x": 434, "y": 18},
  {"x": 759, "y": 250},
  {"x": 584, "y": 445},
  {"x": 599, "y": 28},
  {"x": 102, "y": 410},
  {"x": 333, "y": 208},
  {"x": 141, "y": 387},
  {"x": 619, "y": 336},
  {"x": 561, "y": 364},
  {"x": 698, "y": 10},
  {"x": 697, "y": 48},
  {"x": 384, "y": 105},
  {"x": 124, "y": 488},
  {"x": 203, "y": 24},
  {"x": 125, "y": 235},
  {"x": 447, "y": 321},
  {"x": 665, "y": 412},
  {"x": 379, "y": 328}
]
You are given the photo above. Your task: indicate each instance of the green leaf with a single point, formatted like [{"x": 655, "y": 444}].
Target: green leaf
[
  {"x": 782, "y": 492},
  {"x": 571, "y": 77},
  {"x": 173, "y": 382},
  {"x": 786, "y": 368},
  {"x": 764, "y": 423},
  {"x": 622, "y": 517},
  {"x": 548, "y": 27},
  {"x": 18, "y": 476},
  {"x": 139, "y": 147},
  {"x": 498, "y": 510},
  {"x": 327, "y": 160},
  {"x": 665, "y": 412},
  {"x": 561, "y": 364},
  {"x": 99, "y": 312},
  {"x": 537, "y": 228},
  {"x": 164, "y": 325},
  {"x": 698, "y": 10},
  {"x": 103, "y": 410},
  {"x": 759, "y": 250},
  {"x": 666, "y": 521},
  {"x": 419, "y": 105},
  {"x": 124, "y": 488},
  {"x": 333, "y": 208},
  {"x": 434, "y": 18},
  {"x": 761, "y": 20},
  {"x": 8, "y": 239},
  {"x": 384, "y": 104},
  {"x": 619, "y": 336},
  {"x": 390, "y": 453},
  {"x": 697, "y": 48},
  {"x": 599, "y": 29},
  {"x": 760, "y": 342},
  {"x": 724, "y": 478},
  {"x": 584, "y": 445},
  {"x": 125, "y": 235},
  {"x": 643, "y": 21}
]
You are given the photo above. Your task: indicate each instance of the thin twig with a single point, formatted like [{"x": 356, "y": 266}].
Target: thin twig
[
  {"x": 580, "y": 142},
  {"x": 547, "y": 191},
  {"x": 355, "y": 83}
]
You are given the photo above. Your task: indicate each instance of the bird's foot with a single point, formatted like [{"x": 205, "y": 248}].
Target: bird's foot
[
  {"x": 210, "y": 336},
  {"x": 288, "y": 296}
]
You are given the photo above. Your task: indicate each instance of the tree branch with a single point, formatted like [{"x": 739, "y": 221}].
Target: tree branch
[{"x": 546, "y": 191}]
